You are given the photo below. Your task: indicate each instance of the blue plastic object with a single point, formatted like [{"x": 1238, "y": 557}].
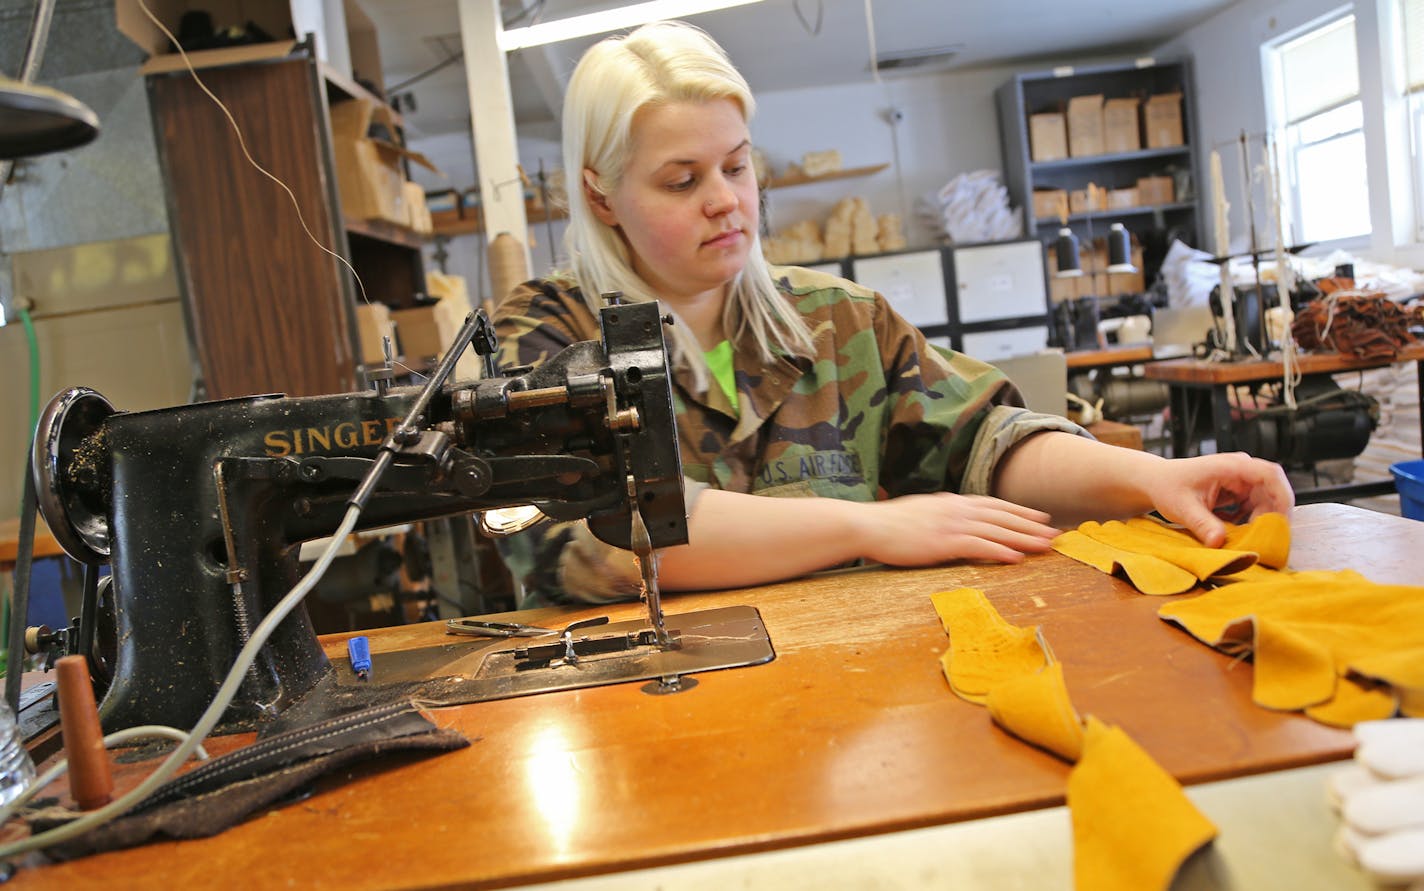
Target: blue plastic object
[
  {"x": 359, "y": 648},
  {"x": 1409, "y": 481}
]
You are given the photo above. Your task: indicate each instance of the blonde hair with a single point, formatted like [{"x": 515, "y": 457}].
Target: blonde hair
[{"x": 660, "y": 63}]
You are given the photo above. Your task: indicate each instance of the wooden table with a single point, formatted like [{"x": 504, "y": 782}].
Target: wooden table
[
  {"x": 1186, "y": 378},
  {"x": 45, "y": 543},
  {"x": 1108, "y": 357},
  {"x": 850, "y": 733}
]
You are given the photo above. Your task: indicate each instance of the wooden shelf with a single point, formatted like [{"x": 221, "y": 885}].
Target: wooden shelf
[
  {"x": 782, "y": 182},
  {"x": 384, "y": 230},
  {"x": 473, "y": 224},
  {"x": 1116, "y": 212},
  {"x": 1114, "y": 158}
]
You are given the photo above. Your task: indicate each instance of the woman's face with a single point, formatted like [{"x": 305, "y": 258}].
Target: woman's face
[{"x": 687, "y": 202}]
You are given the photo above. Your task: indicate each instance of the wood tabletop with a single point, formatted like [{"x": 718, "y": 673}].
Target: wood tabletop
[
  {"x": 851, "y": 731},
  {"x": 1204, "y": 373},
  {"x": 1121, "y": 355},
  {"x": 45, "y": 544}
]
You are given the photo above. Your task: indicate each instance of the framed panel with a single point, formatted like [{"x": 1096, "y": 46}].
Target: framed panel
[
  {"x": 987, "y": 346},
  {"x": 912, "y": 282},
  {"x": 998, "y": 281}
]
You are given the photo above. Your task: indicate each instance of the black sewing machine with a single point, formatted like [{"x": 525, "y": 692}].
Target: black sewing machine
[{"x": 199, "y": 509}]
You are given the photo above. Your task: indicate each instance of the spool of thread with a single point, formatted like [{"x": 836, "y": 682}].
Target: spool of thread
[
  {"x": 1120, "y": 249},
  {"x": 507, "y": 264},
  {"x": 91, "y": 783},
  {"x": 1066, "y": 252}
]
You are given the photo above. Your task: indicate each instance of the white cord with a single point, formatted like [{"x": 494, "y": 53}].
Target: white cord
[
  {"x": 116, "y": 738},
  {"x": 209, "y": 719}
]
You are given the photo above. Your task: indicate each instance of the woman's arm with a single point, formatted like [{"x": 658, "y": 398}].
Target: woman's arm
[
  {"x": 1076, "y": 479},
  {"x": 742, "y": 539}
]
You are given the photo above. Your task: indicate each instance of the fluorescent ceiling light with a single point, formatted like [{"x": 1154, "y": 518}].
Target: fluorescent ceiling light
[{"x": 609, "y": 20}]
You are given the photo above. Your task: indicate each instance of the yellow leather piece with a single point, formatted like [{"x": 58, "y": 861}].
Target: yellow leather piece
[
  {"x": 1202, "y": 562},
  {"x": 1175, "y": 535},
  {"x": 1298, "y": 623},
  {"x": 1293, "y": 670},
  {"x": 1148, "y": 574},
  {"x": 1133, "y": 826},
  {"x": 1035, "y": 707},
  {"x": 984, "y": 650},
  {"x": 1172, "y": 533},
  {"x": 1257, "y": 573},
  {"x": 1355, "y": 702},
  {"x": 1268, "y": 535},
  {"x": 1403, "y": 670}
]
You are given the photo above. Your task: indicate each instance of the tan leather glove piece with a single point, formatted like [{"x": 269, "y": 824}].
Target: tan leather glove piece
[{"x": 1133, "y": 826}]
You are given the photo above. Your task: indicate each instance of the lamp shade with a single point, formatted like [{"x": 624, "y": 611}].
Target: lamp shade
[
  {"x": 1119, "y": 249},
  {"x": 1066, "y": 250},
  {"x": 36, "y": 120}
]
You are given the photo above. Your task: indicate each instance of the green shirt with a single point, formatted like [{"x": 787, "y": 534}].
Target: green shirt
[{"x": 719, "y": 362}]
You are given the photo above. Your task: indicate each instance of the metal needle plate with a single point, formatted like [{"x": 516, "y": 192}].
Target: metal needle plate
[{"x": 476, "y": 670}]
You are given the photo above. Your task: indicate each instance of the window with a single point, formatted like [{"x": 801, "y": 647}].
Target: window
[
  {"x": 1316, "y": 107},
  {"x": 1412, "y": 31}
]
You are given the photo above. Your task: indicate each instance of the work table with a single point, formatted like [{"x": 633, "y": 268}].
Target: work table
[{"x": 850, "y": 733}]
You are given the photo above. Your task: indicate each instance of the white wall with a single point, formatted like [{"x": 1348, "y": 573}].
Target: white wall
[{"x": 949, "y": 127}]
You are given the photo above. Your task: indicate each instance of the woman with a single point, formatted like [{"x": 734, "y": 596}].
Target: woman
[{"x": 795, "y": 383}]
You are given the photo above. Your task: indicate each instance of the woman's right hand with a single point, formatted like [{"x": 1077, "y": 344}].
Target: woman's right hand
[{"x": 925, "y": 530}]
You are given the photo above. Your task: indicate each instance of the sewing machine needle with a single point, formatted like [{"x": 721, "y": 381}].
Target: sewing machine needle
[{"x": 648, "y": 563}]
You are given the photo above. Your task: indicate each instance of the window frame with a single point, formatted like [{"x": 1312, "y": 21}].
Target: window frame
[{"x": 1285, "y": 132}]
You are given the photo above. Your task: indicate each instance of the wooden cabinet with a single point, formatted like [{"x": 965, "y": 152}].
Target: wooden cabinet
[
  {"x": 1152, "y": 216},
  {"x": 269, "y": 311}
]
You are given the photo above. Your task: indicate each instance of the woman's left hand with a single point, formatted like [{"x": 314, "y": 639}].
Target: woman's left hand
[{"x": 1200, "y": 492}]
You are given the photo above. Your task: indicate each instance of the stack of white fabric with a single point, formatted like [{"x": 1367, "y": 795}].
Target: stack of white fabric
[
  {"x": 972, "y": 207},
  {"x": 1380, "y": 799}
]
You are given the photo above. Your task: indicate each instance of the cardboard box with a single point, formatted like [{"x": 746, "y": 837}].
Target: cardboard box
[
  {"x": 421, "y": 334},
  {"x": 374, "y": 322},
  {"x": 1163, "y": 120},
  {"x": 279, "y": 18},
  {"x": 1088, "y": 199},
  {"x": 1048, "y": 137},
  {"x": 1155, "y": 190},
  {"x": 1122, "y": 198},
  {"x": 344, "y": 35},
  {"x": 452, "y": 306},
  {"x": 1050, "y": 204},
  {"x": 1121, "y": 128},
  {"x": 368, "y": 171},
  {"x": 416, "y": 212},
  {"x": 1085, "y": 125}
]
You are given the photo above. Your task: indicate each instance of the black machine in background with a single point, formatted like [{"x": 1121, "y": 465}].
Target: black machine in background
[
  {"x": 199, "y": 509},
  {"x": 1327, "y": 423}
]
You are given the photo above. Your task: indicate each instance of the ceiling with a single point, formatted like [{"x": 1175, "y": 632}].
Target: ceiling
[{"x": 779, "y": 44}]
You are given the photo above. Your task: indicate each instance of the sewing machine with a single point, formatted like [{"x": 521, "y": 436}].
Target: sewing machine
[{"x": 198, "y": 509}]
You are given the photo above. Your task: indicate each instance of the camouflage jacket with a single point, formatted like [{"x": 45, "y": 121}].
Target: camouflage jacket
[{"x": 871, "y": 411}]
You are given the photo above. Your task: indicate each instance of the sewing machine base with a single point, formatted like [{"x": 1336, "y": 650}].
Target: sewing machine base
[{"x": 478, "y": 670}]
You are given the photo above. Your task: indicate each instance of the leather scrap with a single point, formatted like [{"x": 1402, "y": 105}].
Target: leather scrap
[
  {"x": 1333, "y": 644},
  {"x": 237, "y": 785},
  {"x": 1133, "y": 826}
]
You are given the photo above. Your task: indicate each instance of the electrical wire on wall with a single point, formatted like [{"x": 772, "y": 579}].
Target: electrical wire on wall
[{"x": 893, "y": 114}]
